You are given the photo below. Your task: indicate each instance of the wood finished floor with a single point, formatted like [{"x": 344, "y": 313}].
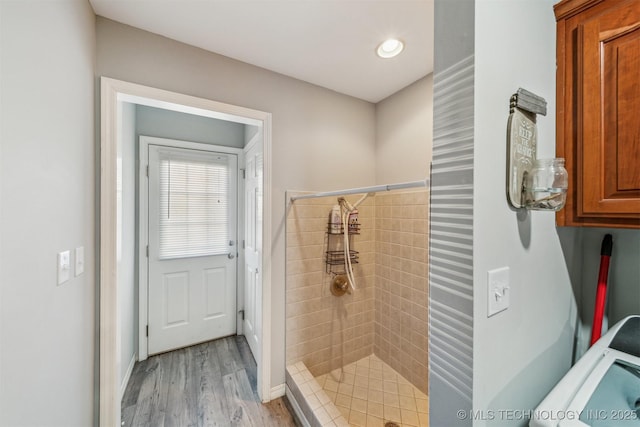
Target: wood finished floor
[{"x": 210, "y": 384}]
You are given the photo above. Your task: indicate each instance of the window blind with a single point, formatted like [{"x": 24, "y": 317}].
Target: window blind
[{"x": 194, "y": 207}]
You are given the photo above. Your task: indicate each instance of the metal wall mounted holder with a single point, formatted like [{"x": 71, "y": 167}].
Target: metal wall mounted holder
[{"x": 522, "y": 141}]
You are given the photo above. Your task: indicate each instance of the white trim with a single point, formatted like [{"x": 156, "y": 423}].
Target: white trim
[
  {"x": 143, "y": 217},
  {"x": 143, "y": 260},
  {"x": 264, "y": 368},
  {"x": 109, "y": 411},
  {"x": 240, "y": 273},
  {"x": 277, "y": 391},
  {"x": 127, "y": 376},
  {"x": 296, "y": 408},
  {"x": 112, "y": 91}
]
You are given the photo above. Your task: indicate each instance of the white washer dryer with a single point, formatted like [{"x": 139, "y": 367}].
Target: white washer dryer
[{"x": 603, "y": 388}]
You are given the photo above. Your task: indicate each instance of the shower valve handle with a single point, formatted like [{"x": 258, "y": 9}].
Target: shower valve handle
[{"x": 340, "y": 285}]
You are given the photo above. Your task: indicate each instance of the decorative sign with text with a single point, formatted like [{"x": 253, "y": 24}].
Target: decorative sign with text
[{"x": 522, "y": 140}]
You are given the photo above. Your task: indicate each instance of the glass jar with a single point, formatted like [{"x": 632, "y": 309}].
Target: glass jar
[{"x": 545, "y": 185}]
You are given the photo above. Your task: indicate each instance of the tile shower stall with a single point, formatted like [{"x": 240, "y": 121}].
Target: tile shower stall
[{"x": 359, "y": 359}]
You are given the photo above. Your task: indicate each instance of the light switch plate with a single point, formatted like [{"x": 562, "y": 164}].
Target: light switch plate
[
  {"x": 79, "y": 260},
  {"x": 64, "y": 266},
  {"x": 498, "y": 290}
]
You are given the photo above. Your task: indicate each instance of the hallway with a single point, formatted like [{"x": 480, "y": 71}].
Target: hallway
[{"x": 209, "y": 384}]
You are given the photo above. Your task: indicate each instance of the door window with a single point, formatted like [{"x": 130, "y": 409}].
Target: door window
[{"x": 194, "y": 207}]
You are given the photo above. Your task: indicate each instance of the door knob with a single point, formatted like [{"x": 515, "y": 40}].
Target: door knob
[{"x": 231, "y": 255}]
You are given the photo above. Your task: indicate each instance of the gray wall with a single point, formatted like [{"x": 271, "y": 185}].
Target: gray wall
[
  {"x": 553, "y": 270},
  {"x": 161, "y": 123},
  {"x": 520, "y": 353},
  {"x": 624, "y": 277},
  {"x": 404, "y": 133},
  {"x": 451, "y": 287},
  {"x": 454, "y": 24},
  {"x": 322, "y": 140},
  {"x": 47, "y": 185}
]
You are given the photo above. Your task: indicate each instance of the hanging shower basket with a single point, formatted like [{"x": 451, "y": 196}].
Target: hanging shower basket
[{"x": 334, "y": 259}]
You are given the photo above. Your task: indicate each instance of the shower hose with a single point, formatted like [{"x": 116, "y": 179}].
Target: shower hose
[{"x": 347, "y": 208}]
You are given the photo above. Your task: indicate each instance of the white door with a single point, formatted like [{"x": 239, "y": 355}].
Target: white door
[
  {"x": 253, "y": 247},
  {"x": 192, "y": 247}
]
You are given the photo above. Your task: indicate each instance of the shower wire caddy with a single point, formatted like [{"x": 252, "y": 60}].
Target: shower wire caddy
[{"x": 335, "y": 259}]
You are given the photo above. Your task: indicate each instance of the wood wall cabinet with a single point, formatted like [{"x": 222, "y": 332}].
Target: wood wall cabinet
[{"x": 598, "y": 111}]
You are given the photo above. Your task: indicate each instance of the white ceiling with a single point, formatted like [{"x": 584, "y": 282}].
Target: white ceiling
[{"x": 330, "y": 43}]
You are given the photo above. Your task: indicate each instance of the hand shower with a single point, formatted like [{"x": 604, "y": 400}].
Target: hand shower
[{"x": 347, "y": 209}]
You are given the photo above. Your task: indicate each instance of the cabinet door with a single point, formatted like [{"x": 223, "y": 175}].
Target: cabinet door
[{"x": 609, "y": 132}]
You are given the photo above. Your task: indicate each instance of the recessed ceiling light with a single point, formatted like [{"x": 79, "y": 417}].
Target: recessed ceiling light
[{"x": 390, "y": 48}]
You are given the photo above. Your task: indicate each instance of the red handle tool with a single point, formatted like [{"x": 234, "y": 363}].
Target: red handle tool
[{"x": 601, "y": 291}]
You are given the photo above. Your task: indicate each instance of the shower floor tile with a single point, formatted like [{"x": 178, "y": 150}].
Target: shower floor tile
[{"x": 369, "y": 393}]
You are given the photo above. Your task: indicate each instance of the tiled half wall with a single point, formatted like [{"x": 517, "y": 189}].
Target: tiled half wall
[{"x": 387, "y": 314}]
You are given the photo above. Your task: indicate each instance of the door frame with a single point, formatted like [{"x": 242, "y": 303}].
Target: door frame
[
  {"x": 112, "y": 93},
  {"x": 143, "y": 224}
]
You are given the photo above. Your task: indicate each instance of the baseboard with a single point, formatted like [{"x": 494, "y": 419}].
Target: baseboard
[
  {"x": 127, "y": 376},
  {"x": 297, "y": 411},
  {"x": 277, "y": 391}
]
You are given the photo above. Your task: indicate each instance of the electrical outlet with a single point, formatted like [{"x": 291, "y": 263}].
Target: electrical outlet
[{"x": 498, "y": 290}]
